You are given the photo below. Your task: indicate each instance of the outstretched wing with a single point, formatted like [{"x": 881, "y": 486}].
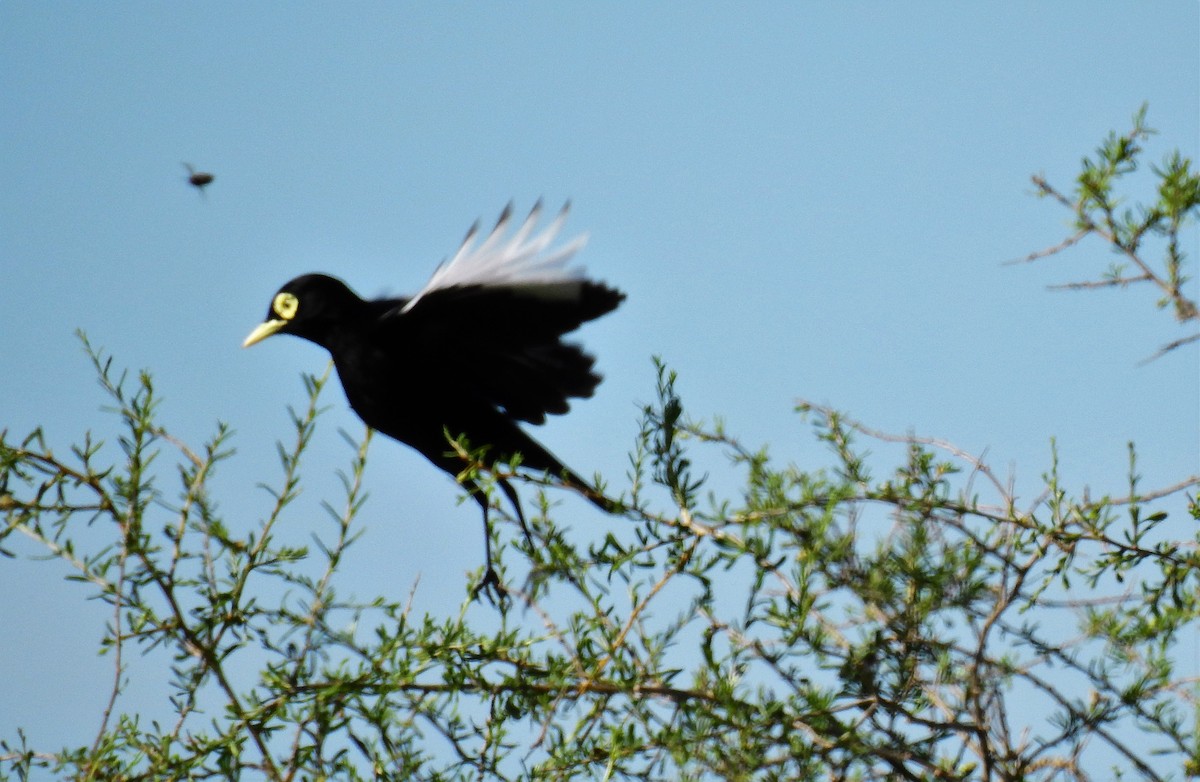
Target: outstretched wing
[
  {"x": 517, "y": 261},
  {"x": 491, "y": 320}
]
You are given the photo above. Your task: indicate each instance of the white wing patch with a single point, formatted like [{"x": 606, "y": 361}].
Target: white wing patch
[{"x": 520, "y": 261}]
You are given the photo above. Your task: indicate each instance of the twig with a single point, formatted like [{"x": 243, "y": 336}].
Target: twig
[
  {"x": 1121, "y": 282},
  {"x": 1167, "y": 348},
  {"x": 1039, "y": 254}
]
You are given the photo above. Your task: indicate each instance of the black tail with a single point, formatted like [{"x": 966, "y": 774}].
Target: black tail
[
  {"x": 535, "y": 456},
  {"x": 591, "y": 493}
]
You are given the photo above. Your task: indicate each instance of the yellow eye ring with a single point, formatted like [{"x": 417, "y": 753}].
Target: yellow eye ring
[{"x": 285, "y": 305}]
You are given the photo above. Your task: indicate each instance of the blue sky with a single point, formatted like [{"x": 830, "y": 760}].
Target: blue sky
[{"x": 801, "y": 201}]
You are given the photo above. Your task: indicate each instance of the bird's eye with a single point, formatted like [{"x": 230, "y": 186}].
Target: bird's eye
[{"x": 285, "y": 305}]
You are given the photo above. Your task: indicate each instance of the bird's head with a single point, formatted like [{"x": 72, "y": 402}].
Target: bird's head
[{"x": 309, "y": 306}]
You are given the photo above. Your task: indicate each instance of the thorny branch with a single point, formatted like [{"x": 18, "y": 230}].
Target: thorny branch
[{"x": 1095, "y": 208}]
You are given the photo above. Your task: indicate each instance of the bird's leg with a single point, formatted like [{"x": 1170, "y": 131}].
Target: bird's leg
[
  {"x": 491, "y": 580},
  {"x": 511, "y": 493}
]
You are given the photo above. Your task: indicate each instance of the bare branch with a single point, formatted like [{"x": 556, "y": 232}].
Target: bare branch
[
  {"x": 1167, "y": 348},
  {"x": 1070, "y": 241}
]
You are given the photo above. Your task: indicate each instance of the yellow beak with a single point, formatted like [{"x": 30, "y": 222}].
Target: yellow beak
[{"x": 262, "y": 331}]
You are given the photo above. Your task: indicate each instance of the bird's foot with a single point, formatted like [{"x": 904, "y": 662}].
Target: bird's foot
[{"x": 492, "y": 587}]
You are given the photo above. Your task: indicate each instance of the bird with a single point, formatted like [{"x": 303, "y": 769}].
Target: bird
[
  {"x": 198, "y": 179},
  {"x": 476, "y": 352}
]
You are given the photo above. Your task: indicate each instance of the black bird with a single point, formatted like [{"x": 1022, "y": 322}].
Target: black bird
[
  {"x": 198, "y": 179},
  {"x": 478, "y": 349}
]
